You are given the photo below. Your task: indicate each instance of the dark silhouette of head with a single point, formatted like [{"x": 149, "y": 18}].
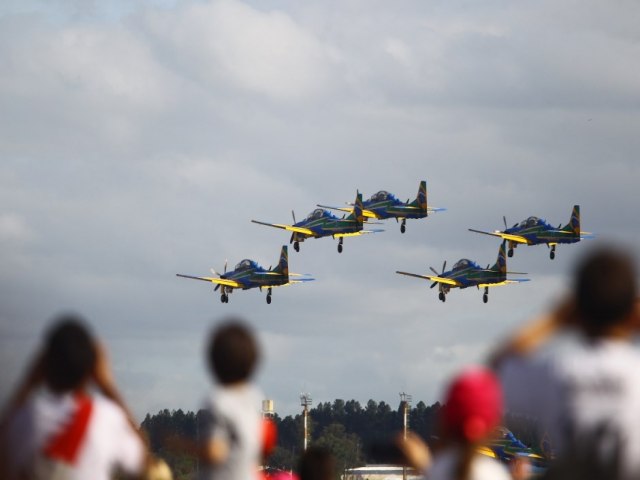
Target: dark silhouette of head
[
  {"x": 605, "y": 289},
  {"x": 69, "y": 354},
  {"x": 232, "y": 352},
  {"x": 317, "y": 463}
]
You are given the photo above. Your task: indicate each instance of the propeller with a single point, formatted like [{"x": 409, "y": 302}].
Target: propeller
[
  {"x": 215, "y": 289},
  {"x": 444, "y": 265},
  {"x": 294, "y": 216},
  {"x": 504, "y": 219}
]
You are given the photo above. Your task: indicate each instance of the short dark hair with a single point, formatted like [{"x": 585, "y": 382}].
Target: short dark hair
[
  {"x": 605, "y": 288},
  {"x": 232, "y": 352},
  {"x": 69, "y": 354},
  {"x": 317, "y": 463}
]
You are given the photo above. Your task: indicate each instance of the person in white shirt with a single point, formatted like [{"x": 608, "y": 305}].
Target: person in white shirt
[
  {"x": 583, "y": 391},
  {"x": 55, "y": 427},
  {"x": 233, "y": 431}
]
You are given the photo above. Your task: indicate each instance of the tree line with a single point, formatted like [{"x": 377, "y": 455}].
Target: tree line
[{"x": 347, "y": 428}]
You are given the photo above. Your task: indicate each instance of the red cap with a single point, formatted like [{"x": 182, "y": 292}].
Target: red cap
[{"x": 473, "y": 404}]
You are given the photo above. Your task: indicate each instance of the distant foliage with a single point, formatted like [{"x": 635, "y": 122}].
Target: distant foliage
[{"x": 346, "y": 428}]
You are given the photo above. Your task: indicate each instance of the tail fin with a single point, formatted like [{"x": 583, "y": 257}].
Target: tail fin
[
  {"x": 283, "y": 263},
  {"x": 421, "y": 198},
  {"x": 357, "y": 209},
  {"x": 501, "y": 262},
  {"x": 574, "y": 223}
]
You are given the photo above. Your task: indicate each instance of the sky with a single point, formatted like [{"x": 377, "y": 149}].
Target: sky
[{"x": 138, "y": 140}]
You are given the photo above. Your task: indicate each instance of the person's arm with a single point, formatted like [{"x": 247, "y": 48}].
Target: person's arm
[
  {"x": 535, "y": 333},
  {"x": 104, "y": 380},
  {"x": 33, "y": 378}
]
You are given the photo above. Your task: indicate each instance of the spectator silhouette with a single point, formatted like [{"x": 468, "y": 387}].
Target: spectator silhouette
[
  {"x": 232, "y": 444},
  {"x": 472, "y": 410},
  {"x": 54, "y": 427},
  {"x": 583, "y": 391},
  {"x": 317, "y": 463}
]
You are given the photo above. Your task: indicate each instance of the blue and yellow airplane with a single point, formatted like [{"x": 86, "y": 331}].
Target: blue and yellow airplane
[
  {"x": 248, "y": 274},
  {"x": 466, "y": 273},
  {"x": 536, "y": 231},
  {"x": 383, "y": 205},
  {"x": 322, "y": 223}
]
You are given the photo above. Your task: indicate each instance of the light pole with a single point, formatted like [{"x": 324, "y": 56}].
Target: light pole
[
  {"x": 405, "y": 401},
  {"x": 305, "y": 402}
]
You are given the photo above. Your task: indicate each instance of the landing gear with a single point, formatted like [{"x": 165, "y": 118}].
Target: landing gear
[
  {"x": 442, "y": 297},
  {"x": 296, "y": 246},
  {"x": 340, "y": 245},
  {"x": 403, "y": 225},
  {"x": 552, "y": 254},
  {"x": 510, "y": 253},
  {"x": 224, "y": 298},
  {"x": 269, "y": 297},
  {"x": 485, "y": 296}
]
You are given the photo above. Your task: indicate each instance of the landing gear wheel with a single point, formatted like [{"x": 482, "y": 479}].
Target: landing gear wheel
[
  {"x": 485, "y": 298},
  {"x": 224, "y": 298},
  {"x": 339, "y": 248},
  {"x": 510, "y": 253},
  {"x": 552, "y": 255},
  {"x": 442, "y": 297},
  {"x": 296, "y": 246},
  {"x": 269, "y": 299},
  {"x": 402, "y": 228}
]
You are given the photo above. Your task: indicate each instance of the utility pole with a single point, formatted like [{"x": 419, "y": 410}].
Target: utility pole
[
  {"x": 405, "y": 402},
  {"x": 305, "y": 402}
]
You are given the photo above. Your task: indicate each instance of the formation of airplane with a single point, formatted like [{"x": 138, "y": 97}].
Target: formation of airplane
[
  {"x": 536, "y": 231},
  {"x": 383, "y": 205},
  {"x": 322, "y": 223},
  {"x": 248, "y": 274},
  {"x": 466, "y": 273}
]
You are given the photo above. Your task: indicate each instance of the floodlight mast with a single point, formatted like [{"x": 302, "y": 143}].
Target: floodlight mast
[
  {"x": 305, "y": 403},
  {"x": 405, "y": 401}
]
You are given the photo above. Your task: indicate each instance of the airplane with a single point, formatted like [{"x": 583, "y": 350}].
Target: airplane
[
  {"x": 466, "y": 273},
  {"x": 536, "y": 231},
  {"x": 322, "y": 223},
  {"x": 248, "y": 274},
  {"x": 383, "y": 205}
]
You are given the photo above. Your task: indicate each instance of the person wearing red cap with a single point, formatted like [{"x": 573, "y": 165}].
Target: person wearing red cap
[{"x": 472, "y": 410}]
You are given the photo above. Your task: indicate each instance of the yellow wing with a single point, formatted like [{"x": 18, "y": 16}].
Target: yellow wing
[
  {"x": 220, "y": 281},
  {"x": 506, "y": 236},
  {"x": 504, "y": 282},
  {"x": 447, "y": 281},
  {"x": 291, "y": 228}
]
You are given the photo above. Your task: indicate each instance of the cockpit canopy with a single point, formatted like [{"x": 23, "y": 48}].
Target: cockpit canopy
[
  {"x": 381, "y": 196},
  {"x": 317, "y": 213},
  {"x": 244, "y": 264},
  {"x": 529, "y": 222},
  {"x": 463, "y": 263}
]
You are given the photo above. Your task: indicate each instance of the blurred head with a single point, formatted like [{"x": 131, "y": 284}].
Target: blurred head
[
  {"x": 232, "y": 352},
  {"x": 605, "y": 288},
  {"x": 473, "y": 405},
  {"x": 317, "y": 464},
  {"x": 69, "y": 354}
]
